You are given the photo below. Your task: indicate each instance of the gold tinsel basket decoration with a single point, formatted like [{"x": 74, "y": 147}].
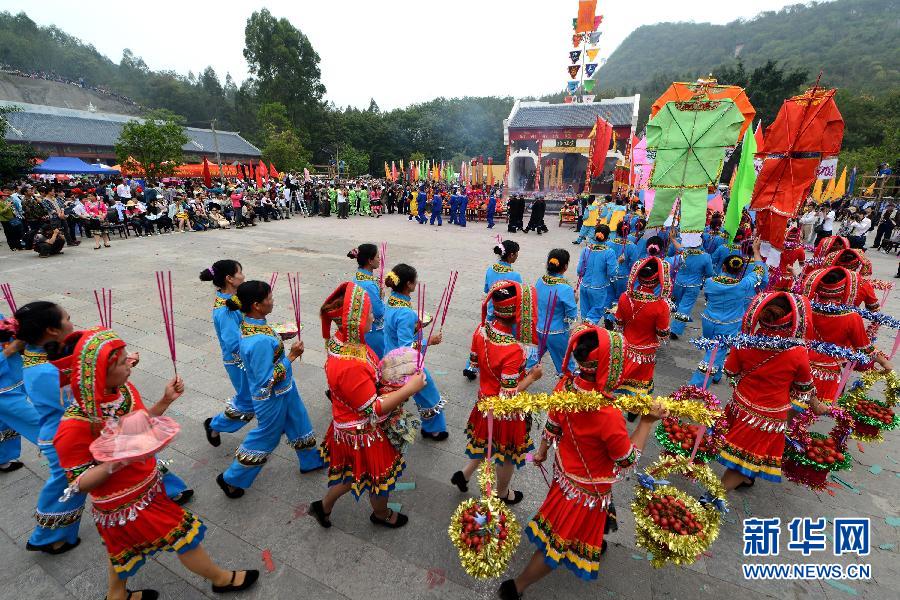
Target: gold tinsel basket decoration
[
  {"x": 869, "y": 425},
  {"x": 484, "y": 531},
  {"x": 670, "y": 523}
]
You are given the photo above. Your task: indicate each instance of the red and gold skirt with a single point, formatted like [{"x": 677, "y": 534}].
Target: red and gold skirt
[
  {"x": 149, "y": 522},
  {"x": 754, "y": 444},
  {"x": 569, "y": 533},
  {"x": 364, "y": 458},
  {"x": 511, "y": 438}
]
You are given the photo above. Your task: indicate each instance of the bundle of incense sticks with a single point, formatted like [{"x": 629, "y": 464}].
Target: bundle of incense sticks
[
  {"x": 8, "y": 296},
  {"x": 104, "y": 306},
  {"x": 294, "y": 285},
  {"x": 420, "y": 313},
  {"x": 164, "y": 285},
  {"x": 273, "y": 280},
  {"x": 433, "y": 322},
  {"x": 451, "y": 285},
  {"x": 548, "y": 319},
  {"x": 382, "y": 257},
  {"x": 583, "y": 269}
]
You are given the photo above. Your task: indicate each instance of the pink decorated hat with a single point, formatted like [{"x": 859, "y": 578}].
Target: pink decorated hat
[{"x": 135, "y": 436}]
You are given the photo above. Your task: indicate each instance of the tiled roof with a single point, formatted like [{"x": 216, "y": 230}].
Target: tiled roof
[
  {"x": 531, "y": 115},
  {"x": 49, "y": 124}
]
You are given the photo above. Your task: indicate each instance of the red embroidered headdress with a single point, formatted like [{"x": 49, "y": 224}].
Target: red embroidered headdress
[
  {"x": 843, "y": 291},
  {"x": 519, "y": 304},
  {"x": 759, "y": 319},
  {"x": 605, "y": 361},
  {"x": 351, "y": 315}
]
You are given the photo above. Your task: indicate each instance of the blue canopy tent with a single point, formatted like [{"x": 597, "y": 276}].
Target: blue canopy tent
[{"x": 71, "y": 166}]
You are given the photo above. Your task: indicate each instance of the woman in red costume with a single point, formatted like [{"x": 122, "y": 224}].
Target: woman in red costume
[
  {"x": 359, "y": 455},
  {"x": 857, "y": 262},
  {"x": 643, "y": 316},
  {"x": 841, "y": 326},
  {"x": 134, "y": 516},
  {"x": 499, "y": 349},
  {"x": 765, "y": 382},
  {"x": 793, "y": 253},
  {"x": 593, "y": 451}
]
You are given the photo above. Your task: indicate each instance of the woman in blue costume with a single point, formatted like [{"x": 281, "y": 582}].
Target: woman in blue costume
[
  {"x": 400, "y": 326},
  {"x": 565, "y": 314},
  {"x": 692, "y": 266},
  {"x": 45, "y": 328},
  {"x": 598, "y": 266},
  {"x": 17, "y": 415},
  {"x": 725, "y": 250},
  {"x": 227, "y": 275},
  {"x": 502, "y": 270},
  {"x": 727, "y": 297},
  {"x": 638, "y": 237},
  {"x": 626, "y": 254},
  {"x": 276, "y": 401},
  {"x": 366, "y": 256},
  {"x": 713, "y": 235}
]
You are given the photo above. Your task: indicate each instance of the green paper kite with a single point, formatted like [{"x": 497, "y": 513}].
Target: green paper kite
[{"x": 690, "y": 139}]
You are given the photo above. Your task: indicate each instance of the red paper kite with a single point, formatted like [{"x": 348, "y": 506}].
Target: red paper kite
[{"x": 808, "y": 128}]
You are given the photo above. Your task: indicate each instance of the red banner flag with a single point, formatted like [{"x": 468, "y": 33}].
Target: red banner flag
[{"x": 207, "y": 180}]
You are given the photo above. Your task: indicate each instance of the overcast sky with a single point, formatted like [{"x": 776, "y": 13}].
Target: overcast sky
[{"x": 396, "y": 51}]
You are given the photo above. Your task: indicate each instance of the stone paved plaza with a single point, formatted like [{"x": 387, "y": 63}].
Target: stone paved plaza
[{"x": 268, "y": 528}]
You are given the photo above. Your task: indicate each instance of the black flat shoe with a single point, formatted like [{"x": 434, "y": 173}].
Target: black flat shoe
[
  {"x": 317, "y": 510},
  {"x": 250, "y": 577},
  {"x": 603, "y": 548},
  {"x": 673, "y": 336},
  {"x": 184, "y": 497},
  {"x": 460, "y": 481},
  {"x": 230, "y": 491},
  {"x": 440, "y": 436},
  {"x": 508, "y": 591},
  {"x": 214, "y": 440},
  {"x": 49, "y": 549},
  {"x": 517, "y": 497},
  {"x": 469, "y": 374},
  {"x": 632, "y": 417},
  {"x": 13, "y": 465},
  {"x": 400, "y": 522},
  {"x": 144, "y": 595}
]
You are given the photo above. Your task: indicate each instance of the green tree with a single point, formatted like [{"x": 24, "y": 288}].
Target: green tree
[
  {"x": 156, "y": 144},
  {"x": 281, "y": 144},
  {"x": 356, "y": 161},
  {"x": 14, "y": 158},
  {"x": 284, "y": 66}
]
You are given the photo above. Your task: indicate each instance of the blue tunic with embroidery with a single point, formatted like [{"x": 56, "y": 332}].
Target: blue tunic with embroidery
[
  {"x": 721, "y": 253},
  {"x": 598, "y": 264},
  {"x": 374, "y": 337},
  {"x": 279, "y": 408},
  {"x": 564, "y": 316},
  {"x": 239, "y": 410},
  {"x": 400, "y": 326}
]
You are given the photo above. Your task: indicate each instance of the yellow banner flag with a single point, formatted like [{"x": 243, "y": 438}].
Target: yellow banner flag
[
  {"x": 828, "y": 196},
  {"x": 840, "y": 188},
  {"x": 870, "y": 190},
  {"x": 592, "y": 53},
  {"x": 817, "y": 190}
]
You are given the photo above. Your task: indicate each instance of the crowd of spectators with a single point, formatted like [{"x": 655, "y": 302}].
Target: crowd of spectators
[{"x": 80, "y": 82}]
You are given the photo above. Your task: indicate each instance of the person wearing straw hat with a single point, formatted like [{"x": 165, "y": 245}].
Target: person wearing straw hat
[
  {"x": 276, "y": 401},
  {"x": 500, "y": 349},
  {"x": 368, "y": 259},
  {"x": 226, "y": 275},
  {"x": 359, "y": 453},
  {"x": 835, "y": 287},
  {"x": 401, "y": 329},
  {"x": 767, "y": 382},
  {"x": 727, "y": 297},
  {"x": 593, "y": 451},
  {"x": 133, "y": 515}
]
